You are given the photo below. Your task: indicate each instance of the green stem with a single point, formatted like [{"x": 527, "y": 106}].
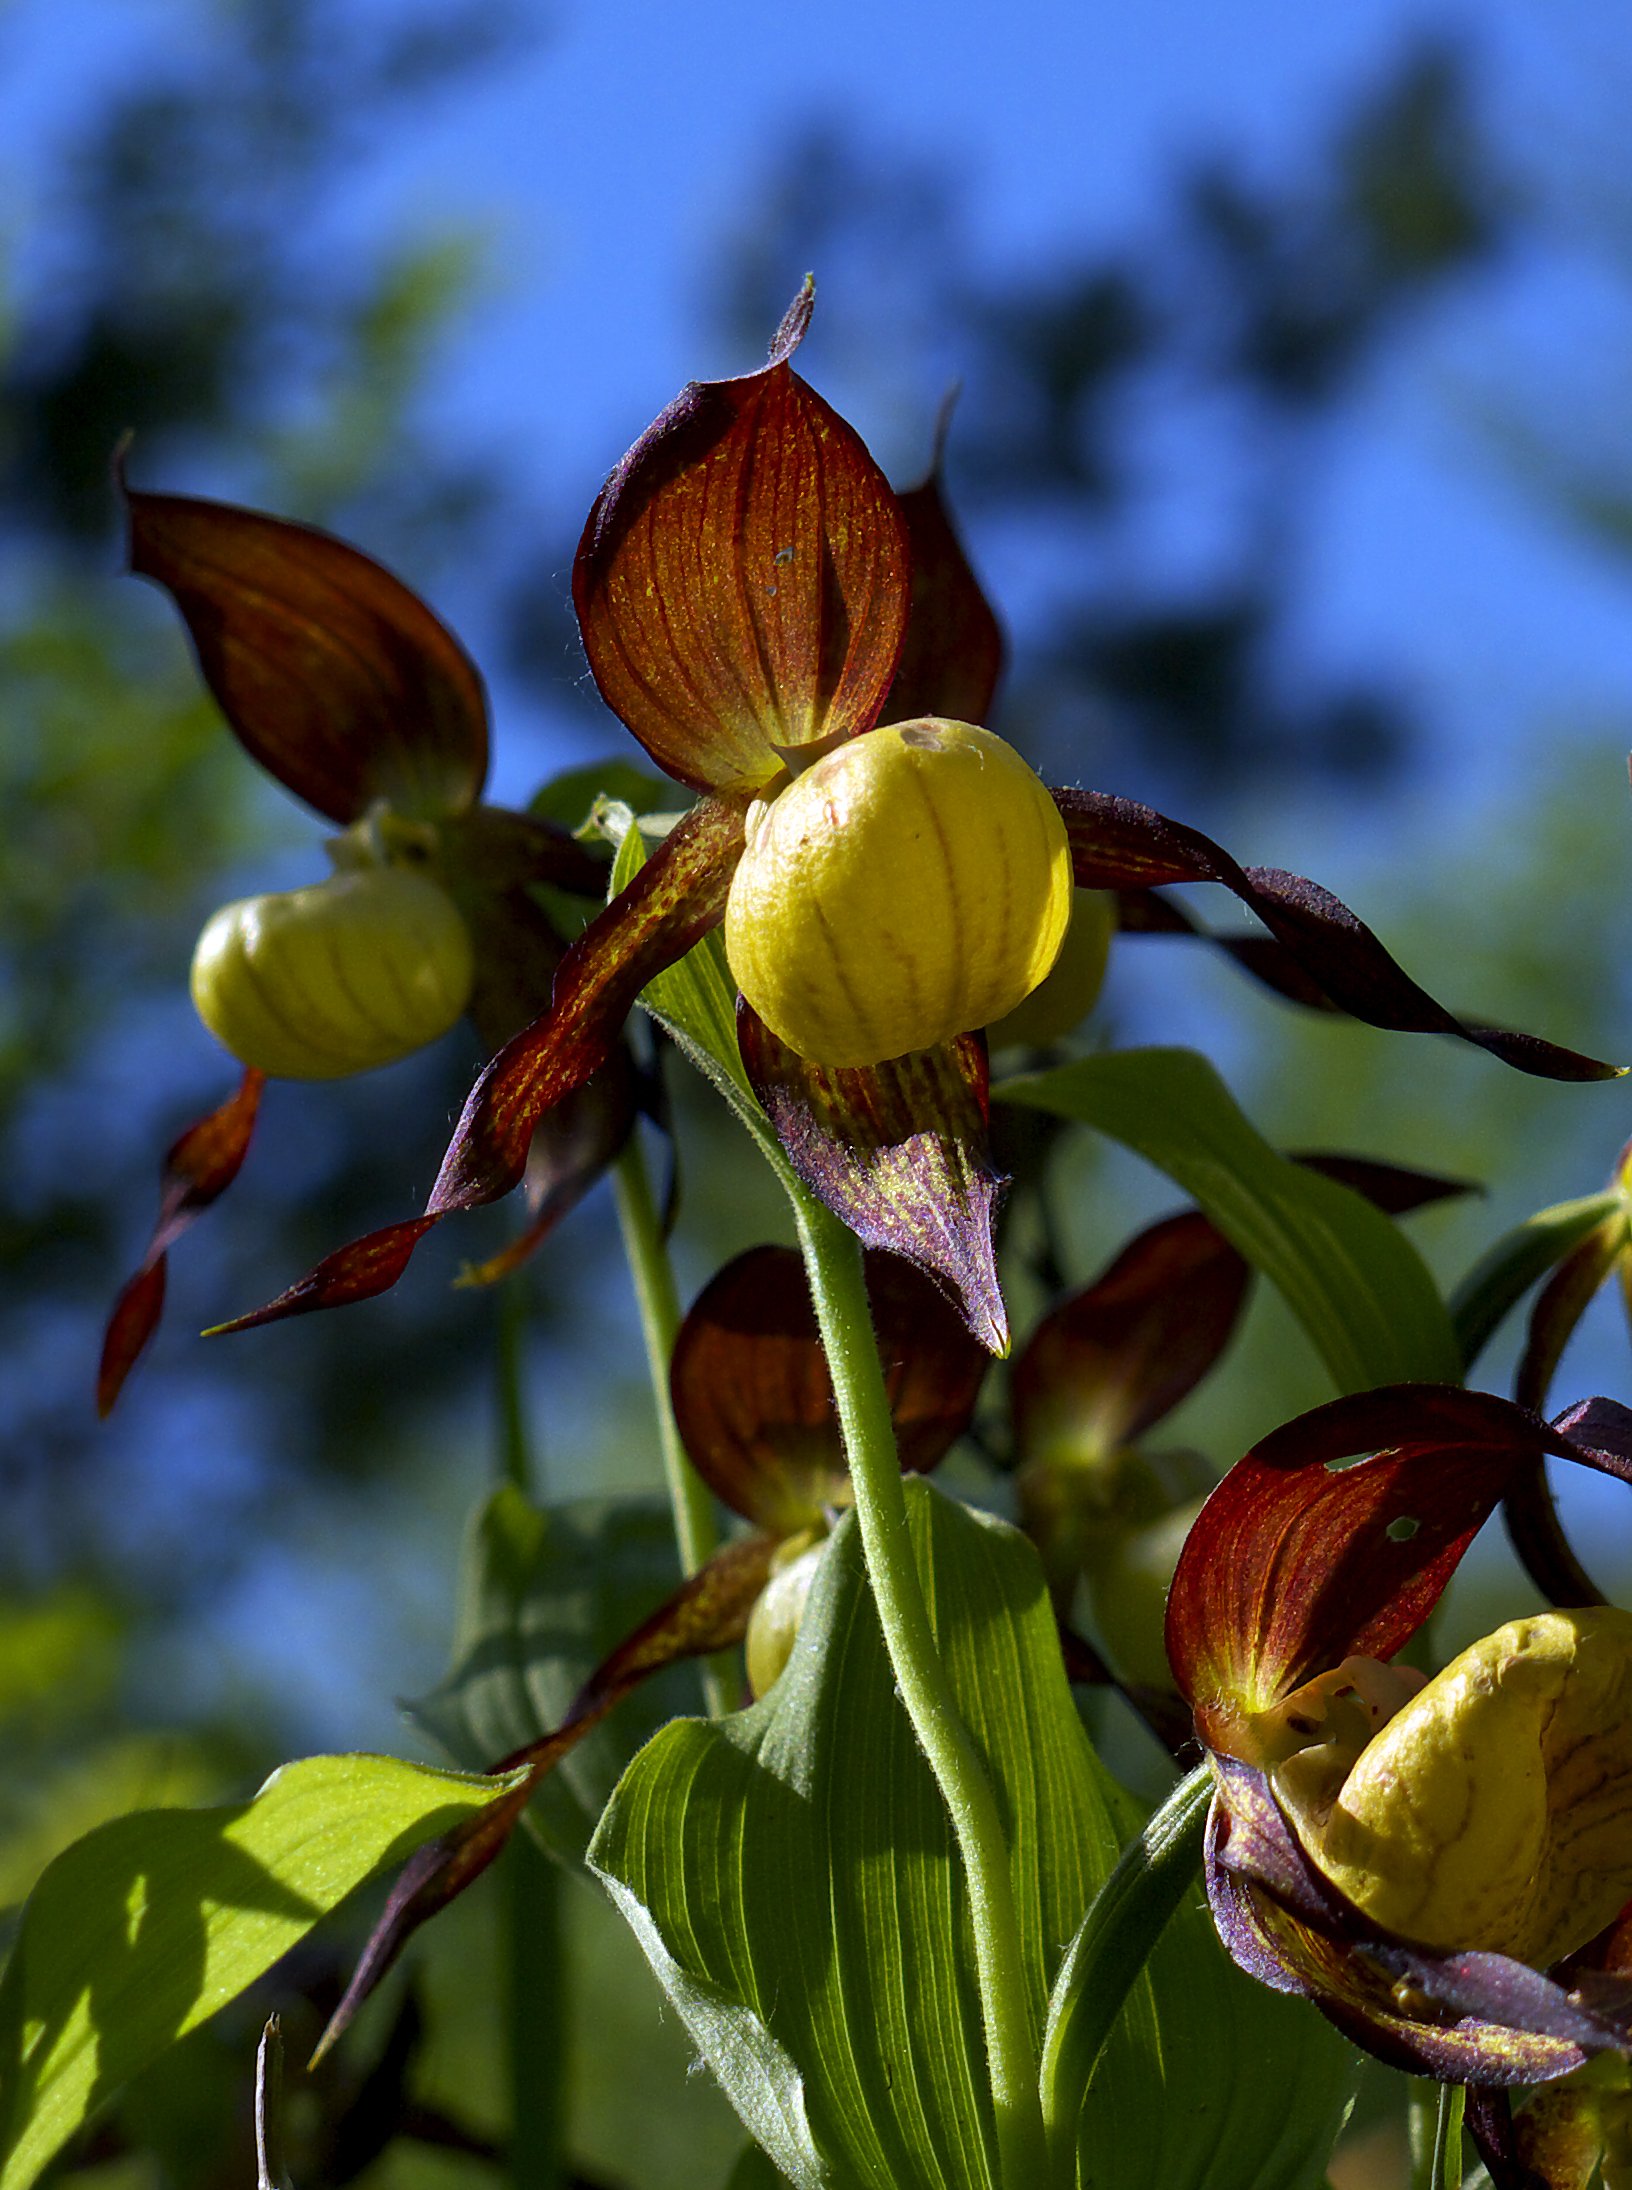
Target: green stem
[
  {"x": 1111, "y": 1947},
  {"x": 531, "y": 1946},
  {"x": 833, "y": 1260},
  {"x": 514, "y": 1453},
  {"x": 530, "y": 1959},
  {"x": 696, "y": 1530}
]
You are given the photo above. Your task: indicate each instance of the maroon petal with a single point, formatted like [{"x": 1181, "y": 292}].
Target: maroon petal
[
  {"x": 200, "y": 1165},
  {"x": 676, "y": 898},
  {"x": 331, "y": 673},
  {"x": 1142, "y": 912},
  {"x": 1292, "y": 1567},
  {"x": 1117, "y": 844},
  {"x": 572, "y": 1145},
  {"x": 742, "y": 580},
  {"x": 1475, "y": 2019},
  {"x": 706, "y": 1613},
  {"x": 953, "y": 653},
  {"x": 1561, "y": 1304},
  {"x": 898, "y": 1151},
  {"x": 1391, "y": 1187},
  {"x": 753, "y": 1394},
  {"x": 1113, "y": 1359}
]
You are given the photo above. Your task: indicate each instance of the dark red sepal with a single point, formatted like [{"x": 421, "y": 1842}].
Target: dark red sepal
[
  {"x": 708, "y": 1612},
  {"x": 1113, "y": 1359},
  {"x": 1488, "y": 2119},
  {"x": 1394, "y": 1188},
  {"x": 1117, "y": 844},
  {"x": 1292, "y": 1567},
  {"x": 1143, "y": 912},
  {"x": 572, "y": 1145},
  {"x": 742, "y": 581},
  {"x": 676, "y": 898},
  {"x": 898, "y": 1151},
  {"x": 952, "y": 657},
  {"x": 672, "y": 903},
  {"x": 201, "y": 1164},
  {"x": 335, "y": 677},
  {"x": 753, "y": 1394},
  {"x": 1562, "y": 1302}
]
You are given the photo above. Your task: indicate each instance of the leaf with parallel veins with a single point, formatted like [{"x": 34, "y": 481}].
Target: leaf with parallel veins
[
  {"x": 898, "y": 1152},
  {"x": 335, "y": 677},
  {"x": 1117, "y": 844},
  {"x": 753, "y": 1394},
  {"x": 742, "y": 580},
  {"x": 199, "y": 1167},
  {"x": 708, "y": 1612}
]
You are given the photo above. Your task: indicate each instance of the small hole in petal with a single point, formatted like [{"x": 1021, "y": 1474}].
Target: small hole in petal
[{"x": 1402, "y": 1529}]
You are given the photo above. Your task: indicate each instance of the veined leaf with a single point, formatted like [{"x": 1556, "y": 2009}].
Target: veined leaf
[
  {"x": 143, "y": 1929},
  {"x": 792, "y": 1877},
  {"x": 546, "y": 1593},
  {"x": 1351, "y": 1277}
]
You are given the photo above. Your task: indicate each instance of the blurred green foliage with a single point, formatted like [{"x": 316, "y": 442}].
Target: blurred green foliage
[{"x": 203, "y": 300}]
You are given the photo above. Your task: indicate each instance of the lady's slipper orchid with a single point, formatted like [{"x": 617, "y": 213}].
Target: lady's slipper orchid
[
  {"x": 1099, "y": 1374},
  {"x": 752, "y": 595},
  {"x": 1412, "y": 1856},
  {"x": 344, "y": 687}
]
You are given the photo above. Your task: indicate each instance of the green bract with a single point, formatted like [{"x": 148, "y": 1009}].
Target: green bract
[{"x": 336, "y": 978}]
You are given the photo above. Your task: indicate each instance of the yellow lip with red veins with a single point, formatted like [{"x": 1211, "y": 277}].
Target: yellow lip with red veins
[{"x": 912, "y": 884}]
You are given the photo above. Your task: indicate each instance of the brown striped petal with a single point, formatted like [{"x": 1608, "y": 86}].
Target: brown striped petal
[{"x": 742, "y": 581}]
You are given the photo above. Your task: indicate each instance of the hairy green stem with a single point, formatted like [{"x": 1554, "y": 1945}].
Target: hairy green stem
[
  {"x": 696, "y": 1530},
  {"x": 1111, "y": 1947},
  {"x": 833, "y": 1260},
  {"x": 529, "y": 1953}
]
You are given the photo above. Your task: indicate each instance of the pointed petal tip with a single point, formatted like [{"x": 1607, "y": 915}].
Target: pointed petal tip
[{"x": 795, "y": 322}]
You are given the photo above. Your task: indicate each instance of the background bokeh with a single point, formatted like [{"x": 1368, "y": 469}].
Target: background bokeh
[{"x": 1295, "y": 353}]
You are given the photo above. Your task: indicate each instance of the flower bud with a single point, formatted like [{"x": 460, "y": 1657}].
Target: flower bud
[
  {"x": 912, "y": 884},
  {"x": 773, "y": 1625},
  {"x": 344, "y": 975},
  {"x": 1494, "y": 1810}
]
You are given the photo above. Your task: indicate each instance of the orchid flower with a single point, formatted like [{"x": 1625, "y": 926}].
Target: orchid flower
[
  {"x": 345, "y": 688},
  {"x": 1439, "y": 1864},
  {"x": 811, "y": 655}
]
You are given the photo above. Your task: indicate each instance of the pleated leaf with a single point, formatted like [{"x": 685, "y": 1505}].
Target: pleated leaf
[
  {"x": 1350, "y": 1276},
  {"x": 791, "y": 1873},
  {"x": 546, "y": 1593},
  {"x": 142, "y": 1930}
]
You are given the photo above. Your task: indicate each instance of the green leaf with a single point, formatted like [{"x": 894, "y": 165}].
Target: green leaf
[
  {"x": 143, "y": 1929},
  {"x": 1197, "y": 2076},
  {"x": 696, "y": 1000},
  {"x": 546, "y": 1593},
  {"x": 1507, "y": 1270},
  {"x": 568, "y": 798},
  {"x": 1212, "y": 2082},
  {"x": 792, "y": 1878},
  {"x": 1350, "y": 1276}
]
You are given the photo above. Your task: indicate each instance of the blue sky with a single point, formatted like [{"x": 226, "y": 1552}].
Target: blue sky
[{"x": 607, "y": 163}]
